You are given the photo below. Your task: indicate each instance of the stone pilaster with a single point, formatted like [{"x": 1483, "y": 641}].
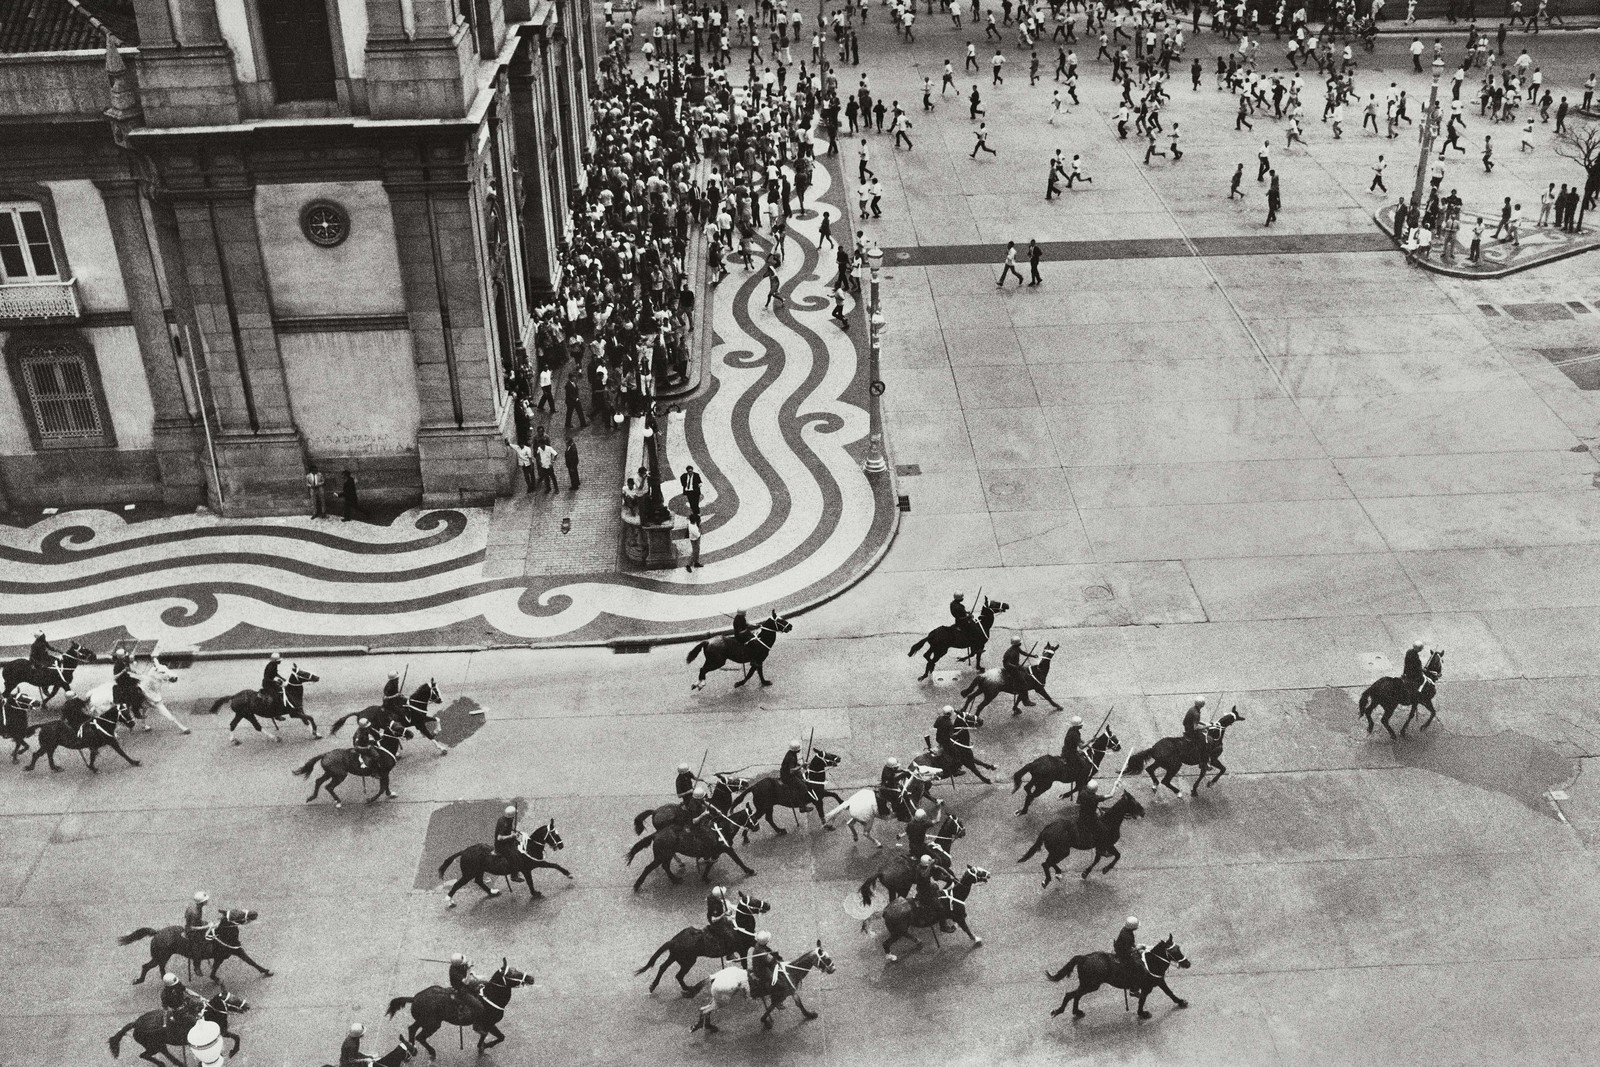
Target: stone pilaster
[
  {"x": 461, "y": 452},
  {"x": 526, "y": 120},
  {"x": 178, "y": 440}
]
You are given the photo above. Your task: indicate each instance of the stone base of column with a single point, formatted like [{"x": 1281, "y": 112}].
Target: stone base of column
[
  {"x": 185, "y": 467},
  {"x": 468, "y": 466},
  {"x": 262, "y": 473}
]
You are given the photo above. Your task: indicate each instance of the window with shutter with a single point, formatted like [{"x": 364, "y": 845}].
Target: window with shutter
[
  {"x": 59, "y": 386},
  {"x": 299, "y": 48},
  {"x": 25, "y": 252}
]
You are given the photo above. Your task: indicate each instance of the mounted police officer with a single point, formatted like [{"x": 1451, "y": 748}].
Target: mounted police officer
[
  {"x": 917, "y": 828},
  {"x": 177, "y": 1000},
  {"x": 272, "y": 681},
  {"x": 507, "y": 838},
  {"x": 965, "y": 624},
  {"x": 124, "y": 682},
  {"x": 40, "y": 655},
  {"x": 761, "y": 961},
  {"x": 365, "y": 742},
  {"x": 944, "y": 729},
  {"x": 683, "y": 785},
  {"x": 743, "y": 635},
  {"x": 1073, "y": 742},
  {"x": 1089, "y": 800},
  {"x": 195, "y": 926},
  {"x": 350, "y": 1054},
  {"x": 1014, "y": 672},
  {"x": 717, "y": 906},
  {"x": 463, "y": 981},
  {"x": 1194, "y": 728},
  {"x": 693, "y": 809},
  {"x": 789, "y": 770},
  {"x": 928, "y": 892},
  {"x": 1129, "y": 953},
  {"x": 393, "y": 699},
  {"x": 891, "y": 785},
  {"x": 1412, "y": 674}
]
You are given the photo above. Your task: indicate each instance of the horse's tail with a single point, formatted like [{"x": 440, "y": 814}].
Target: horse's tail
[
  {"x": 829, "y": 817},
  {"x": 1038, "y": 843},
  {"x": 639, "y": 846},
  {"x": 1016, "y": 779},
  {"x": 1137, "y": 761},
  {"x": 917, "y": 647},
  {"x": 638, "y": 822},
  {"x": 742, "y": 794},
  {"x": 138, "y": 935},
  {"x": 339, "y": 722},
  {"x": 693, "y": 652},
  {"x": 1063, "y": 972},
  {"x": 666, "y": 946},
  {"x": 448, "y": 860},
  {"x": 395, "y": 1005},
  {"x": 116, "y": 1039},
  {"x": 216, "y": 705},
  {"x": 1368, "y": 701},
  {"x": 866, "y": 890},
  {"x": 304, "y": 770},
  {"x": 972, "y": 687}
]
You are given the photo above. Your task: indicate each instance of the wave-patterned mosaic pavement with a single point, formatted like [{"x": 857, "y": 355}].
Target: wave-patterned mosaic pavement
[{"x": 780, "y": 435}]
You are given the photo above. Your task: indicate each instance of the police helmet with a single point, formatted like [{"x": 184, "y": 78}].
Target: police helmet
[
  {"x": 201, "y": 897},
  {"x": 682, "y": 767},
  {"x": 720, "y": 892},
  {"x": 701, "y": 792},
  {"x": 892, "y": 761},
  {"x": 356, "y": 1029},
  {"x": 362, "y": 722},
  {"x": 794, "y": 746},
  {"x": 511, "y": 809},
  {"x": 1016, "y": 640},
  {"x": 948, "y": 710},
  {"x": 458, "y": 957},
  {"x": 169, "y": 979},
  {"x": 1131, "y": 924},
  {"x": 1077, "y": 720},
  {"x": 926, "y": 861},
  {"x": 763, "y": 937},
  {"x": 275, "y": 657}
]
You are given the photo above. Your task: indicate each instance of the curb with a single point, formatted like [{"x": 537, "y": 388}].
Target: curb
[{"x": 1437, "y": 267}]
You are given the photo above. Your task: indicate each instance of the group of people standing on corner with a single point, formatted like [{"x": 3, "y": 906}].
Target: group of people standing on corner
[
  {"x": 349, "y": 495},
  {"x": 537, "y": 460}
]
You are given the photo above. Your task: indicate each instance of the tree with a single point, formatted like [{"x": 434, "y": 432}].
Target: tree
[{"x": 1580, "y": 142}]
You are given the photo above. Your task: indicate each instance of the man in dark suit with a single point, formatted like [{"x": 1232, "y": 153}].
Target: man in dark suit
[{"x": 690, "y": 481}]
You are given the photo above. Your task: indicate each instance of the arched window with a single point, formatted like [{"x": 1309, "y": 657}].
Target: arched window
[{"x": 25, "y": 251}]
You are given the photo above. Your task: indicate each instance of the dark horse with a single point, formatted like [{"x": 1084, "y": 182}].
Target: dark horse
[
  {"x": 786, "y": 979},
  {"x": 899, "y": 872},
  {"x": 252, "y": 705},
  {"x": 899, "y": 916},
  {"x": 338, "y": 764},
  {"x": 1172, "y": 754},
  {"x": 1390, "y": 693},
  {"x": 955, "y": 758},
  {"x": 1096, "y": 969},
  {"x": 155, "y": 1030},
  {"x": 53, "y": 679},
  {"x": 479, "y": 860},
  {"x": 725, "y": 648},
  {"x": 769, "y": 791},
  {"x": 15, "y": 708},
  {"x": 437, "y": 1005},
  {"x": 942, "y": 639},
  {"x": 1070, "y": 769},
  {"x": 1065, "y": 834},
  {"x": 721, "y": 800},
  {"x": 220, "y": 944},
  {"x": 728, "y": 936},
  {"x": 704, "y": 844},
  {"x": 992, "y": 682},
  {"x": 411, "y": 715},
  {"x": 76, "y": 730}
]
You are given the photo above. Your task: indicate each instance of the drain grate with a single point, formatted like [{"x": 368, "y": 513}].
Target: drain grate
[
  {"x": 908, "y": 470},
  {"x": 1541, "y": 312},
  {"x": 630, "y": 648}
]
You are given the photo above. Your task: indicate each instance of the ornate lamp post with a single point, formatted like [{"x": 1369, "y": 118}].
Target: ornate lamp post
[
  {"x": 1426, "y": 135},
  {"x": 876, "y": 464}
]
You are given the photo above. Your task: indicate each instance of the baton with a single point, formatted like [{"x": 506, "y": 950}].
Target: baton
[
  {"x": 702, "y": 764},
  {"x": 1116, "y": 784}
]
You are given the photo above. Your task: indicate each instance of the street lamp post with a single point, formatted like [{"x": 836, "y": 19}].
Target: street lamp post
[
  {"x": 876, "y": 464},
  {"x": 1429, "y": 130}
]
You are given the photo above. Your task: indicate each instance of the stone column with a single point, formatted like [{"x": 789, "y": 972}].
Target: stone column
[
  {"x": 178, "y": 444},
  {"x": 461, "y": 451},
  {"x": 259, "y": 451}
]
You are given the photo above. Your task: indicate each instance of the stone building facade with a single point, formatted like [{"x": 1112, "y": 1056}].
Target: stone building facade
[{"x": 238, "y": 237}]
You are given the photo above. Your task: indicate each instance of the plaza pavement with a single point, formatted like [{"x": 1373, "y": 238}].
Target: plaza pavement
[{"x": 1252, "y": 477}]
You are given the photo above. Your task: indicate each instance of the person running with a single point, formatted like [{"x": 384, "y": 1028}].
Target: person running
[
  {"x": 982, "y": 141},
  {"x": 1009, "y": 267}
]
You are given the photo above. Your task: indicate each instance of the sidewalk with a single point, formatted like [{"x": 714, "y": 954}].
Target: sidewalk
[{"x": 1537, "y": 246}]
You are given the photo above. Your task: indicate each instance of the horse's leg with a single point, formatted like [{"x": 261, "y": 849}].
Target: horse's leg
[
  {"x": 1161, "y": 984},
  {"x": 652, "y": 865},
  {"x": 756, "y": 666},
  {"x": 277, "y": 729},
  {"x": 245, "y": 956},
  {"x": 166, "y": 713},
  {"x": 309, "y": 721},
  {"x": 734, "y": 856},
  {"x": 1432, "y": 714},
  {"x": 1172, "y": 772},
  {"x": 1098, "y": 855},
  {"x": 1388, "y": 713},
  {"x": 808, "y": 1013},
  {"x": 1045, "y": 693},
  {"x": 332, "y": 781},
  {"x": 973, "y": 764},
  {"x": 1221, "y": 770},
  {"x": 962, "y": 922},
  {"x": 146, "y": 969},
  {"x": 1144, "y": 994},
  {"x": 548, "y": 865},
  {"x": 420, "y": 1035},
  {"x": 776, "y": 828},
  {"x": 1405, "y": 725},
  {"x": 749, "y": 669},
  {"x": 489, "y": 1029}
]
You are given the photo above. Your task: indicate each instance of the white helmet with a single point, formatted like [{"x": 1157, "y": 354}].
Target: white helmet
[
  {"x": 275, "y": 657},
  {"x": 362, "y": 722},
  {"x": 169, "y": 979},
  {"x": 356, "y": 1029},
  {"x": 1131, "y": 924},
  {"x": 1092, "y": 786},
  {"x": 892, "y": 761},
  {"x": 794, "y": 746},
  {"x": 682, "y": 767},
  {"x": 701, "y": 792},
  {"x": 201, "y": 897},
  {"x": 762, "y": 937},
  {"x": 922, "y": 813},
  {"x": 1416, "y": 645},
  {"x": 458, "y": 957},
  {"x": 720, "y": 892},
  {"x": 926, "y": 861},
  {"x": 511, "y": 809},
  {"x": 1199, "y": 702},
  {"x": 1077, "y": 720}
]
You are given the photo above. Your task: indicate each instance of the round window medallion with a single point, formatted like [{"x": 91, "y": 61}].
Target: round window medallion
[{"x": 325, "y": 223}]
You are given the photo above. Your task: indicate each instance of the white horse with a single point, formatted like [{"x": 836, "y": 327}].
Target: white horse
[
  {"x": 151, "y": 683},
  {"x": 723, "y": 986},
  {"x": 862, "y": 808}
]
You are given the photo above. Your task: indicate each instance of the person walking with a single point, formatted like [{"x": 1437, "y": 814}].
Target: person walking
[
  {"x": 1377, "y": 178},
  {"x": 1009, "y": 267},
  {"x": 689, "y": 482},
  {"x": 1273, "y": 201},
  {"x": 1233, "y": 187},
  {"x": 1035, "y": 254},
  {"x": 692, "y": 533},
  {"x": 546, "y": 390},
  {"x": 546, "y": 455},
  {"x": 572, "y": 464},
  {"x": 1264, "y": 160},
  {"x": 526, "y": 462},
  {"x": 574, "y": 400}
]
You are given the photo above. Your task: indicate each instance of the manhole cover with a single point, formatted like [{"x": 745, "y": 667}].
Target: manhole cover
[
  {"x": 1542, "y": 312},
  {"x": 1098, "y": 592}
]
